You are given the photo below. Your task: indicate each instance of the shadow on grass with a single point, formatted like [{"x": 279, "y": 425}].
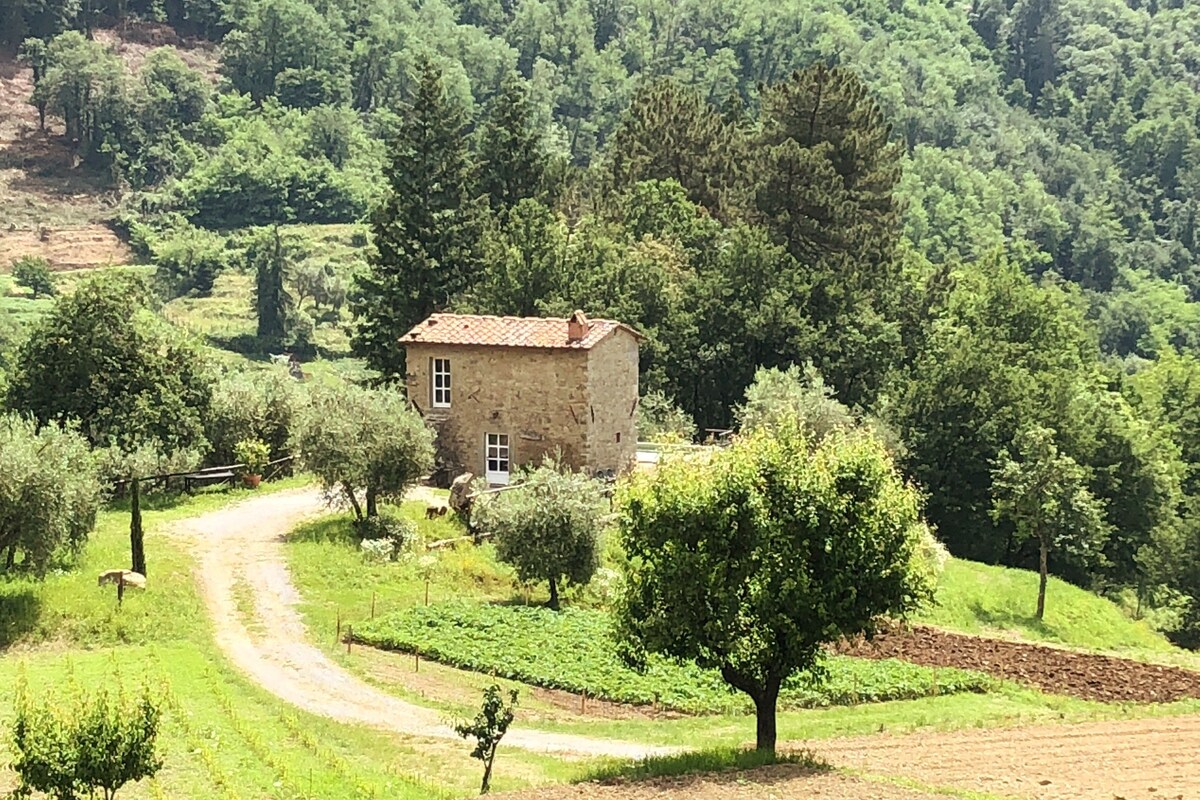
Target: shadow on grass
[
  {"x": 19, "y": 611},
  {"x": 156, "y": 499},
  {"x": 1012, "y": 618},
  {"x": 717, "y": 760},
  {"x": 334, "y": 529}
]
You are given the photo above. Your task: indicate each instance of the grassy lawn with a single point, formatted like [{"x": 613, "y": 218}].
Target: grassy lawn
[
  {"x": 982, "y": 599},
  {"x": 222, "y": 736}
]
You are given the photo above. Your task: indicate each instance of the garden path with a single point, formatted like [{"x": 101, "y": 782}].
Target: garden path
[{"x": 246, "y": 587}]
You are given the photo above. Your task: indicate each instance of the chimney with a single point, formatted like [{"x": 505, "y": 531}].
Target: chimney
[{"x": 577, "y": 326}]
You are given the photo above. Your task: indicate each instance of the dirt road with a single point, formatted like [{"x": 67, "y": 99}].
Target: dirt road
[{"x": 241, "y": 560}]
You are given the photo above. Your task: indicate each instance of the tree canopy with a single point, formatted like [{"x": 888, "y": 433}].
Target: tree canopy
[{"x": 748, "y": 561}]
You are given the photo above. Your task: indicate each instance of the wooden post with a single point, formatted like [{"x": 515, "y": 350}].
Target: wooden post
[
  {"x": 583, "y": 702},
  {"x": 338, "y": 636},
  {"x": 372, "y": 605},
  {"x": 349, "y": 637},
  {"x": 427, "y": 591},
  {"x": 121, "y": 589},
  {"x": 416, "y": 660}
]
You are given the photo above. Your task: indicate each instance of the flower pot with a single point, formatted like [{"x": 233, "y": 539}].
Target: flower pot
[{"x": 251, "y": 481}]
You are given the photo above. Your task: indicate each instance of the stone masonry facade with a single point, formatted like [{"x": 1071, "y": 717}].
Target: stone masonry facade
[{"x": 530, "y": 381}]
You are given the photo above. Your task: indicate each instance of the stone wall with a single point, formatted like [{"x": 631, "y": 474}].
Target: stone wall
[
  {"x": 613, "y": 393},
  {"x": 538, "y": 397}
]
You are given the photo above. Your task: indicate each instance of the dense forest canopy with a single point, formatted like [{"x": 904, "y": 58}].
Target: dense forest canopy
[{"x": 977, "y": 223}]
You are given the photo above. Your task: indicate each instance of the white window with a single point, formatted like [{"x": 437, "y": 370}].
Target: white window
[
  {"x": 496, "y": 454},
  {"x": 440, "y": 370}
]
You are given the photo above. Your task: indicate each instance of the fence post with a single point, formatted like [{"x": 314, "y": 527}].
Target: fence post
[
  {"x": 338, "y": 635},
  {"x": 349, "y": 637}
]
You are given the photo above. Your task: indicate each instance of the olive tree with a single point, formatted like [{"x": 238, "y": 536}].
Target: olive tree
[
  {"x": 548, "y": 526},
  {"x": 751, "y": 560},
  {"x": 49, "y": 493},
  {"x": 363, "y": 440},
  {"x": 251, "y": 405}
]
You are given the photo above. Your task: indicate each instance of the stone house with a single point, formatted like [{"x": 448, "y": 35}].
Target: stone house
[{"x": 504, "y": 392}]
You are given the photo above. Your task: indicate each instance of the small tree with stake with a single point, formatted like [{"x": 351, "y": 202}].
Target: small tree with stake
[
  {"x": 488, "y": 728},
  {"x": 751, "y": 561}
]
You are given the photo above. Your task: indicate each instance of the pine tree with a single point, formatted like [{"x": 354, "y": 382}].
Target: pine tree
[
  {"x": 512, "y": 159},
  {"x": 670, "y": 131},
  {"x": 427, "y": 231},
  {"x": 826, "y": 189}
]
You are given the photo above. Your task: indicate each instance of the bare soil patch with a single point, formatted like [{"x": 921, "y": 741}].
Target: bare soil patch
[
  {"x": 1084, "y": 675},
  {"x": 765, "y": 783},
  {"x": 1149, "y": 759},
  {"x": 85, "y": 247}
]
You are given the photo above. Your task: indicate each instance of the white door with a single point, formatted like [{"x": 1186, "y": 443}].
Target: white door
[{"x": 496, "y": 454}]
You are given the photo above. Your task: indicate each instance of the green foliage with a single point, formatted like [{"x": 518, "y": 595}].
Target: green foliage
[
  {"x": 33, "y": 272},
  {"x": 187, "y": 261},
  {"x": 778, "y": 398},
  {"x": 1044, "y": 494},
  {"x": 254, "y": 454},
  {"x": 251, "y": 405},
  {"x": 751, "y": 560},
  {"x": 71, "y": 749},
  {"x": 102, "y": 360},
  {"x": 426, "y": 232},
  {"x": 660, "y": 420},
  {"x": 577, "y": 650},
  {"x": 368, "y": 440},
  {"x": 49, "y": 494},
  {"x": 488, "y": 728},
  {"x": 547, "y": 527},
  {"x": 511, "y": 153}
]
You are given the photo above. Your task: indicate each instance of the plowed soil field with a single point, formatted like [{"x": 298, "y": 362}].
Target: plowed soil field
[
  {"x": 1135, "y": 760},
  {"x": 1084, "y": 675}
]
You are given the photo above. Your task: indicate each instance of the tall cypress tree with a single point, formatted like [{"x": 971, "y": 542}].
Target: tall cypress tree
[
  {"x": 267, "y": 256},
  {"x": 426, "y": 232},
  {"x": 512, "y": 158}
]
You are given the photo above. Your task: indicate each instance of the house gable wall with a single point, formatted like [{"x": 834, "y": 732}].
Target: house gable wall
[{"x": 613, "y": 398}]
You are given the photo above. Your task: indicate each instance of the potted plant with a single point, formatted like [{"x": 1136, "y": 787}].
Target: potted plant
[{"x": 253, "y": 455}]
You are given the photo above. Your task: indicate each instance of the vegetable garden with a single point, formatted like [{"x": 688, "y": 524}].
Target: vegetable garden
[{"x": 574, "y": 650}]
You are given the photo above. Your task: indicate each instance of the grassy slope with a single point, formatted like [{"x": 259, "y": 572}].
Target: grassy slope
[
  {"x": 222, "y": 737},
  {"x": 982, "y": 599},
  {"x": 335, "y": 583}
]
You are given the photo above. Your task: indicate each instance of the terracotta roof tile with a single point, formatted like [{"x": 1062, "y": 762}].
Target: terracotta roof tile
[{"x": 546, "y": 332}]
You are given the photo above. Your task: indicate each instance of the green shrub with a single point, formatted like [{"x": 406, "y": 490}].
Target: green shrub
[
  {"x": 33, "y": 272},
  {"x": 253, "y": 454},
  {"x": 660, "y": 420},
  {"x": 574, "y": 650},
  {"x": 69, "y": 750}
]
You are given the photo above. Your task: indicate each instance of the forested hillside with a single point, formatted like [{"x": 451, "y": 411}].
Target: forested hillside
[{"x": 977, "y": 221}]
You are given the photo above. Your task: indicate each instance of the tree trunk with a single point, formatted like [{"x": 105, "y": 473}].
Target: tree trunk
[
  {"x": 372, "y": 507},
  {"x": 487, "y": 773},
  {"x": 137, "y": 541},
  {"x": 11, "y": 560},
  {"x": 1044, "y": 558},
  {"x": 764, "y": 713},
  {"x": 553, "y": 604},
  {"x": 349, "y": 490}
]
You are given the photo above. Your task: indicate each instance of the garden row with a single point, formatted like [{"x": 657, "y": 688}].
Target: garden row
[{"x": 574, "y": 650}]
